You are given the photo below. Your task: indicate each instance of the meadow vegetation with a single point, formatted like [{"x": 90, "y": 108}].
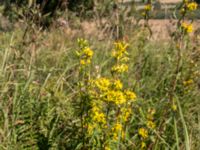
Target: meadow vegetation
[{"x": 122, "y": 91}]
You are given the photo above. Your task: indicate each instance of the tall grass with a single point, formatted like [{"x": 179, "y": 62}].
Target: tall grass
[{"x": 43, "y": 88}]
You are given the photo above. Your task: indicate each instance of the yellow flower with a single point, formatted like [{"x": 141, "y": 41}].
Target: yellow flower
[
  {"x": 174, "y": 107},
  {"x": 91, "y": 128},
  {"x": 117, "y": 84},
  {"x": 119, "y": 50},
  {"x": 84, "y": 53},
  {"x": 188, "y": 82},
  {"x": 151, "y": 111},
  {"x": 82, "y": 62},
  {"x": 151, "y": 124},
  {"x": 88, "y": 52},
  {"x": 116, "y": 130},
  {"x": 143, "y": 145},
  {"x": 150, "y": 114},
  {"x": 120, "y": 68},
  {"x": 102, "y": 84},
  {"x": 143, "y": 14},
  {"x": 143, "y": 133},
  {"x": 191, "y": 6},
  {"x": 115, "y": 135},
  {"x": 107, "y": 148},
  {"x": 116, "y": 97},
  {"x": 123, "y": 135},
  {"x": 95, "y": 108},
  {"x": 147, "y": 7},
  {"x": 125, "y": 59},
  {"x": 188, "y": 28},
  {"x": 99, "y": 117},
  {"x": 120, "y": 53},
  {"x": 118, "y": 127},
  {"x": 130, "y": 95},
  {"x": 126, "y": 113}
]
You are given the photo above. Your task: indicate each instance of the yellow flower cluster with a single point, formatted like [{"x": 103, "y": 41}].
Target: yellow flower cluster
[
  {"x": 86, "y": 56},
  {"x": 117, "y": 85},
  {"x": 188, "y": 6},
  {"x": 126, "y": 113},
  {"x": 120, "y": 68},
  {"x": 109, "y": 103},
  {"x": 191, "y": 6},
  {"x": 105, "y": 93},
  {"x": 151, "y": 124},
  {"x": 143, "y": 145},
  {"x": 188, "y": 82},
  {"x": 130, "y": 95},
  {"x": 188, "y": 28},
  {"x": 91, "y": 128},
  {"x": 120, "y": 50},
  {"x": 111, "y": 91},
  {"x": 150, "y": 117},
  {"x": 98, "y": 116},
  {"x": 121, "y": 55},
  {"x": 116, "y": 97},
  {"x": 107, "y": 148},
  {"x": 117, "y": 131},
  {"x": 103, "y": 84},
  {"x": 151, "y": 113},
  {"x": 143, "y": 133},
  {"x": 147, "y": 7},
  {"x": 97, "y": 120},
  {"x": 188, "y": 85},
  {"x": 85, "y": 53},
  {"x": 174, "y": 107}
]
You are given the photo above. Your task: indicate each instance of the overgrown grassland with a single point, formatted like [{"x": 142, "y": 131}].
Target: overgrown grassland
[{"x": 40, "y": 92}]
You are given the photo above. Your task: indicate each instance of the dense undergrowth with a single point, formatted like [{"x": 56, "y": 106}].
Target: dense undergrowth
[{"x": 63, "y": 92}]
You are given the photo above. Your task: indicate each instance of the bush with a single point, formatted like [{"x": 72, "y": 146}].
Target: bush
[{"x": 80, "y": 5}]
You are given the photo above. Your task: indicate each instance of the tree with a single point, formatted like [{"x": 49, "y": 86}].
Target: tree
[{"x": 197, "y": 1}]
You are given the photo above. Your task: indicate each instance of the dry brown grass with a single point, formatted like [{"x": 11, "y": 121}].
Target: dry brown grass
[
  {"x": 170, "y": 1},
  {"x": 161, "y": 29}
]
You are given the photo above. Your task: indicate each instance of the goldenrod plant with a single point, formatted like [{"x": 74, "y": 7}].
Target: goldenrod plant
[{"x": 109, "y": 104}]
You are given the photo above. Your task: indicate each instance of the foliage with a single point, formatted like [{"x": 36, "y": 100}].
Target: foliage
[{"x": 58, "y": 92}]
